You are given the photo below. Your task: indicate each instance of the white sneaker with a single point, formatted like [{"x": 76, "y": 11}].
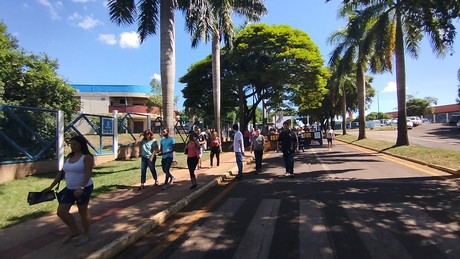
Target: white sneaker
[{"x": 171, "y": 181}]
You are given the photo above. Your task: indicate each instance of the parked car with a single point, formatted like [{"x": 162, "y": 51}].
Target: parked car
[
  {"x": 415, "y": 120},
  {"x": 425, "y": 120},
  {"x": 409, "y": 124},
  {"x": 458, "y": 125}
]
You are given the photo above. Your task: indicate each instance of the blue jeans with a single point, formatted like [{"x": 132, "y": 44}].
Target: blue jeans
[
  {"x": 239, "y": 163},
  {"x": 289, "y": 162},
  {"x": 166, "y": 163},
  {"x": 145, "y": 162}
]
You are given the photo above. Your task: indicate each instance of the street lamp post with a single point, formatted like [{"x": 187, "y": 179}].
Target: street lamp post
[{"x": 378, "y": 106}]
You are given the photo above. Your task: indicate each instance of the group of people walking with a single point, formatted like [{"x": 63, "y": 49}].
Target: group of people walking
[{"x": 79, "y": 164}]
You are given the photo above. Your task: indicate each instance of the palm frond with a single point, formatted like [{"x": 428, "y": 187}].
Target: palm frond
[
  {"x": 122, "y": 12},
  {"x": 148, "y": 18}
]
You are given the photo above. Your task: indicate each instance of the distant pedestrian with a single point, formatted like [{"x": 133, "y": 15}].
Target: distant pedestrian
[
  {"x": 78, "y": 167},
  {"x": 167, "y": 152},
  {"x": 193, "y": 152},
  {"x": 329, "y": 136},
  {"x": 301, "y": 138},
  {"x": 247, "y": 138},
  {"x": 257, "y": 145},
  {"x": 201, "y": 137},
  {"x": 289, "y": 146},
  {"x": 148, "y": 147},
  {"x": 238, "y": 148},
  {"x": 215, "y": 148}
]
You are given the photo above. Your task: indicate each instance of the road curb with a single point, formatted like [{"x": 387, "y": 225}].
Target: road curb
[
  {"x": 438, "y": 167},
  {"x": 121, "y": 243}
]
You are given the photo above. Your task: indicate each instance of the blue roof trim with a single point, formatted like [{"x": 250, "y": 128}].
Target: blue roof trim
[{"x": 112, "y": 88}]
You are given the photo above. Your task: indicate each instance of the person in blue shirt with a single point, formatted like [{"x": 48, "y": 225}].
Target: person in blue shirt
[
  {"x": 148, "y": 148},
  {"x": 167, "y": 152}
]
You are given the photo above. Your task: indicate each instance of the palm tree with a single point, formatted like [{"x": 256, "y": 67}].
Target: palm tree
[
  {"x": 207, "y": 19},
  {"x": 397, "y": 27},
  {"x": 349, "y": 50},
  {"x": 147, "y": 13}
]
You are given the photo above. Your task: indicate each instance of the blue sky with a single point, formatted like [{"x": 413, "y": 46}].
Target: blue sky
[{"x": 92, "y": 50}]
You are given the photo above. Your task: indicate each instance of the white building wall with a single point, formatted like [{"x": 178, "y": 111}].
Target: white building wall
[{"x": 95, "y": 104}]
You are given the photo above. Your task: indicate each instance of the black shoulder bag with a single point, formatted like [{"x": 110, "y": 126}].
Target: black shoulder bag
[{"x": 43, "y": 196}]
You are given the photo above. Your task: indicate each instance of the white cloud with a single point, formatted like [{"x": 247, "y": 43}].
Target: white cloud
[
  {"x": 53, "y": 8},
  {"x": 157, "y": 77},
  {"x": 391, "y": 87},
  {"x": 108, "y": 39},
  {"x": 86, "y": 22},
  {"x": 129, "y": 40}
]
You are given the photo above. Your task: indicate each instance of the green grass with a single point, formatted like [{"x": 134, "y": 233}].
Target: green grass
[
  {"x": 440, "y": 157},
  {"x": 108, "y": 177}
]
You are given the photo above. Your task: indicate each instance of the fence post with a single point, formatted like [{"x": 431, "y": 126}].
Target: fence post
[
  {"x": 149, "y": 122},
  {"x": 60, "y": 138},
  {"x": 115, "y": 133}
]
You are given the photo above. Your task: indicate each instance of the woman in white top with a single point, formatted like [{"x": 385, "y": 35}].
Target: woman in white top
[
  {"x": 79, "y": 186},
  {"x": 329, "y": 137}
]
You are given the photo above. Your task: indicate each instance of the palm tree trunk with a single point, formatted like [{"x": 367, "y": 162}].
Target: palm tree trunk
[
  {"x": 216, "y": 80},
  {"x": 344, "y": 111},
  {"x": 360, "y": 84},
  {"x": 403, "y": 138},
  {"x": 168, "y": 62}
]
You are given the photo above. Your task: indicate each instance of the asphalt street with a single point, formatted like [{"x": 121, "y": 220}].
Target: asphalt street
[
  {"x": 432, "y": 135},
  {"x": 345, "y": 203}
]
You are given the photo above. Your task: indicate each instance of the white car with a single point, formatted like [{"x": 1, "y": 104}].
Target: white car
[
  {"x": 409, "y": 124},
  {"x": 415, "y": 120}
]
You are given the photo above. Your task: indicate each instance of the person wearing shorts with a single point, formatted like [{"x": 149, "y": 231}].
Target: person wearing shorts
[
  {"x": 329, "y": 137},
  {"x": 77, "y": 170}
]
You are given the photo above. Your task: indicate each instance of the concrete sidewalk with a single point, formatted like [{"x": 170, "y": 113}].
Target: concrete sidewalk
[{"x": 118, "y": 218}]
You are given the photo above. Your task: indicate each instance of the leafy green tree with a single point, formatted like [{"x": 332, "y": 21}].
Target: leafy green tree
[
  {"x": 266, "y": 61},
  {"x": 156, "y": 98},
  {"x": 31, "y": 80},
  {"x": 417, "y": 106},
  {"x": 198, "y": 92},
  {"x": 276, "y": 63},
  {"x": 210, "y": 19},
  {"x": 147, "y": 13},
  {"x": 377, "y": 115}
]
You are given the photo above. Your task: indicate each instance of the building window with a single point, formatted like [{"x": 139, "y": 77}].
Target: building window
[
  {"x": 103, "y": 99},
  {"x": 122, "y": 101}
]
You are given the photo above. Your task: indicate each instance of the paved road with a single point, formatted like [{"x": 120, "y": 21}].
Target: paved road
[
  {"x": 432, "y": 135},
  {"x": 344, "y": 203}
]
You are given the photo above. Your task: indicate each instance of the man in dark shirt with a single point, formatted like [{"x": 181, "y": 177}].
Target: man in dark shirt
[{"x": 288, "y": 141}]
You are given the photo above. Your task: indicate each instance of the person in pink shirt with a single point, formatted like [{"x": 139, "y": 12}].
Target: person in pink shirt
[{"x": 193, "y": 153}]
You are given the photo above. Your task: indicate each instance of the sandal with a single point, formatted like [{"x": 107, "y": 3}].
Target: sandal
[
  {"x": 69, "y": 237},
  {"x": 83, "y": 240}
]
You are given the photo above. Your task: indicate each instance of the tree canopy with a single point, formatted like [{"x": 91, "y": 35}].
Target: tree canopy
[
  {"x": 275, "y": 63},
  {"x": 418, "y": 106},
  {"x": 31, "y": 79}
]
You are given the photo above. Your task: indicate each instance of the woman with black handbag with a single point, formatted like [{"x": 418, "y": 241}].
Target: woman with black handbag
[{"x": 78, "y": 167}]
